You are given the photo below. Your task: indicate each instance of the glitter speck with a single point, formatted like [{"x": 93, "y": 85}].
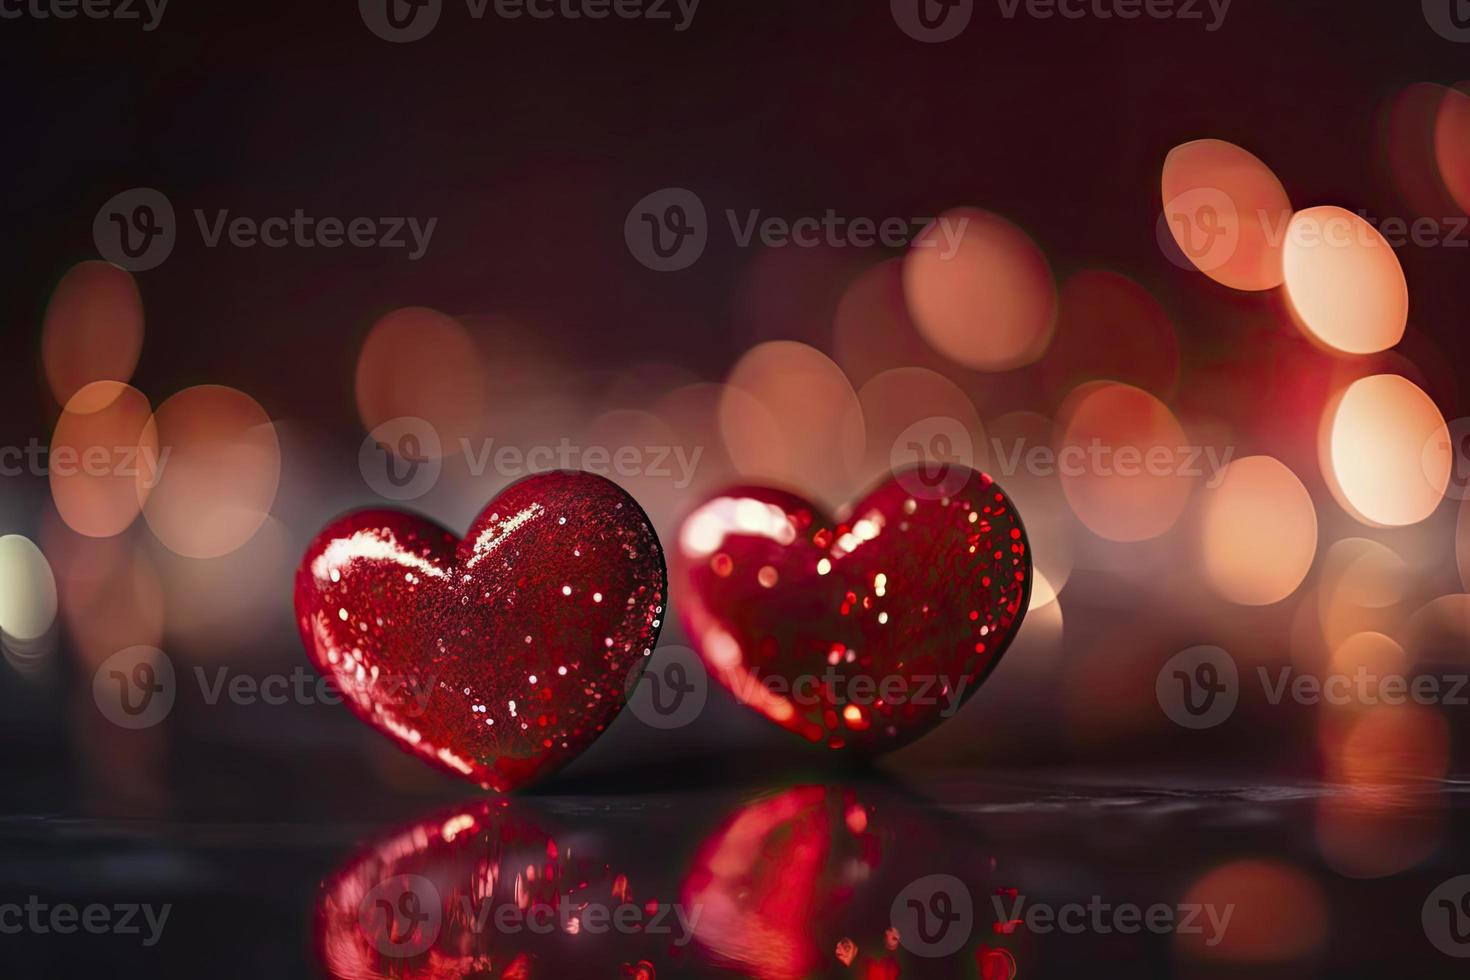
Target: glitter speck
[
  {"x": 597, "y": 597},
  {"x": 342, "y": 615},
  {"x": 824, "y": 566},
  {"x": 767, "y": 576},
  {"x": 566, "y": 590}
]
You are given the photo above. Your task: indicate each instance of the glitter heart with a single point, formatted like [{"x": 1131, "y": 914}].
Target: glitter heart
[
  {"x": 498, "y": 657},
  {"x": 863, "y": 633}
]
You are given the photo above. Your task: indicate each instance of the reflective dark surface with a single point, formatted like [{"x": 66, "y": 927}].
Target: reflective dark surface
[{"x": 865, "y": 877}]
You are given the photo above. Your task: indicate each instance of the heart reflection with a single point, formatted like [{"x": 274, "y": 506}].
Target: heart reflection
[
  {"x": 841, "y": 881},
  {"x": 490, "y": 889}
]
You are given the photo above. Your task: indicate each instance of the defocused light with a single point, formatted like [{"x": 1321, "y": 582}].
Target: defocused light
[
  {"x": 1260, "y": 532},
  {"x": 93, "y": 329},
  {"x": 1120, "y": 462},
  {"x": 1439, "y": 631},
  {"x": 1373, "y": 832},
  {"x": 1365, "y": 573},
  {"x": 1408, "y": 144},
  {"x": 1021, "y": 462},
  {"x": 789, "y": 414},
  {"x": 1344, "y": 281},
  {"x": 27, "y": 590},
  {"x": 1111, "y": 328},
  {"x": 1378, "y": 463},
  {"x": 980, "y": 291},
  {"x": 926, "y": 406},
  {"x": 872, "y": 330},
  {"x": 417, "y": 363},
  {"x": 1280, "y": 914},
  {"x": 1226, "y": 211},
  {"x": 104, "y": 458},
  {"x": 1391, "y": 745},
  {"x": 1452, "y": 144},
  {"x": 218, "y": 606},
  {"x": 220, "y": 464},
  {"x": 111, "y": 596}
]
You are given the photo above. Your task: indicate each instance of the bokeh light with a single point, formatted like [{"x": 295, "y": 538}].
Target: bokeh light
[
  {"x": 104, "y": 458},
  {"x": 1344, "y": 281},
  {"x": 1226, "y": 211},
  {"x": 27, "y": 592},
  {"x": 1259, "y": 532},
  {"x": 980, "y": 291},
  {"x": 221, "y": 465},
  {"x": 789, "y": 415},
  {"x": 1120, "y": 460},
  {"x": 872, "y": 330},
  {"x": 93, "y": 329},
  {"x": 919, "y": 404},
  {"x": 1377, "y": 440},
  {"x": 1452, "y": 143},
  {"x": 1280, "y": 913},
  {"x": 1110, "y": 328},
  {"x": 418, "y": 363}
]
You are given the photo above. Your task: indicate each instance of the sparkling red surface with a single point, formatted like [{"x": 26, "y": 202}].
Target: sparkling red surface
[
  {"x": 815, "y": 622},
  {"x": 501, "y": 656}
]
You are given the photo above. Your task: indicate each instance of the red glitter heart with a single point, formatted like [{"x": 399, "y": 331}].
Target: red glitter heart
[
  {"x": 863, "y": 633},
  {"x": 501, "y": 656}
]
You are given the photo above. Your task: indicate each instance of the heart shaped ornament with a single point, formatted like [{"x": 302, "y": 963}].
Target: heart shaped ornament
[
  {"x": 864, "y": 632},
  {"x": 500, "y": 656}
]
